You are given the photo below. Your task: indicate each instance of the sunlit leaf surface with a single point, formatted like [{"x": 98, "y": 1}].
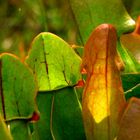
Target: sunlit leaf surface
[
  {"x": 54, "y": 62},
  {"x": 4, "y": 132},
  {"x": 57, "y": 68},
  {"x": 103, "y": 98}
]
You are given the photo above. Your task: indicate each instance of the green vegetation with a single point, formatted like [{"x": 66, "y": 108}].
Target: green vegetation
[{"x": 41, "y": 84}]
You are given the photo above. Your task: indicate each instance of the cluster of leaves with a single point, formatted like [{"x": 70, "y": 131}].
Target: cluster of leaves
[
  {"x": 88, "y": 18},
  {"x": 56, "y": 74},
  {"x": 47, "y": 79}
]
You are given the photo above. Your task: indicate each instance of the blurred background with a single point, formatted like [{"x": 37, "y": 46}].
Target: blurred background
[{"x": 22, "y": 20}]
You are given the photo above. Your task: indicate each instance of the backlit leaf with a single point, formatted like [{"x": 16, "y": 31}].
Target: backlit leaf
[
  {"x": 103, "y": 98},
  {"x": 54, "y": 62}
]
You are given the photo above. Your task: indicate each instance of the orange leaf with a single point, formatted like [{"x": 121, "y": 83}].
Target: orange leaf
[{"x": 103, "y": 98}]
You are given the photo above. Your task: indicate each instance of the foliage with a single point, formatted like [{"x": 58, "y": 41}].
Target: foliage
[
  {"x": 45, "y": 80},
  {"x": 57, "y": 69},
  {"x": 5, "y": 135}
]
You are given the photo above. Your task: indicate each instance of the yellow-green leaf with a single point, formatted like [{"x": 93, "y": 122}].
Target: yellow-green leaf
[
  {"x": 4, "y": 132},
  {"x": 54, "y": 62}
]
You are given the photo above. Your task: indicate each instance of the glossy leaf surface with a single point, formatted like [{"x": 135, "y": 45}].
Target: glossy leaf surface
[
  {"x": 133, "y": 7},
  {"x": 91, "y": 13}
]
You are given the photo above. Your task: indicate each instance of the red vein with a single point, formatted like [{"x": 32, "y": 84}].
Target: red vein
[{"x": 106, "y": 81}]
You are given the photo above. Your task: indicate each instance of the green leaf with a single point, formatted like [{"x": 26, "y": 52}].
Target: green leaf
[
  {"x": 131, "y": 64},
  {"x": 133, "y": 7},
  {"x": 4, "y": 132},
  {"x": 42, "y": 127},
  {"x": 79, "y": 93},
  {"x": 78, "y": 49},
  {"x": 91, "y": 13},
  {"x": 131, "y": 75},
  {"x": 57, "y": 68},
  {"x": 55, "y": 64},
  {"x": 19, "y": 130},
  {"x": 131, "y": 84},
  {"x": 17, "y": 89},
  {"x": 132, "y": 43},
  {"x": 61, "y": 116}
]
